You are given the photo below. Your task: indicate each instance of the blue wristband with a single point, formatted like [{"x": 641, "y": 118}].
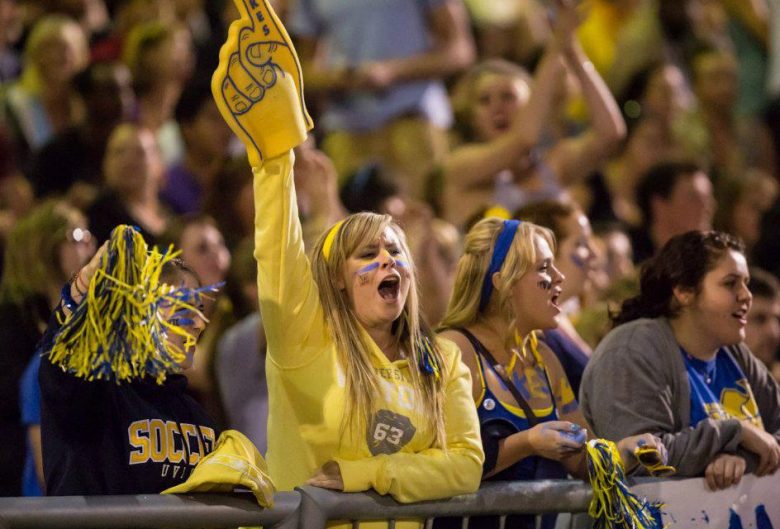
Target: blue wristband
[{"x": 67, "y": 297}]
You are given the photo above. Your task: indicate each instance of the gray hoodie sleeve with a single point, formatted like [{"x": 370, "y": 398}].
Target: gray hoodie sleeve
[{"x": 636, "y": 383}]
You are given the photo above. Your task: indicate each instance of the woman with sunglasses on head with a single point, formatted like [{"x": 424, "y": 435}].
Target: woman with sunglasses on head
[
  {"x": 362, "y": 394},
  {"x": 42, "y": 251},
  {"x": 506, "y": 288},
  {"x": 676, "y": 365}
]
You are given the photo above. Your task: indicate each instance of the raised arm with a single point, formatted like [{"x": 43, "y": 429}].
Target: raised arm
[
  {"x": 575, "y": 158},
  {"x": 259, "y": 92},
  {"x": 58, "y": 387},
  {"x": 476, "y": 164}
]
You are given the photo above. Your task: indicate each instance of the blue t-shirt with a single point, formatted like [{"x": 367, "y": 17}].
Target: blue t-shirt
[
  {"x": 719, "y": 389},
  {"x": 360, "y": 31},
  {"x": 30, "y": 404}
]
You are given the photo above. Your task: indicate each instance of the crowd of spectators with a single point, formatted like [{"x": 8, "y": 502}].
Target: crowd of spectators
[{"x": 618, "y": 125}]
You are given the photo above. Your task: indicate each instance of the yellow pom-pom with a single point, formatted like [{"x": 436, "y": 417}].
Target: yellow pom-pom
[
  {"x": 614, "y": 506},
  {"x": 118, "y": 331}
]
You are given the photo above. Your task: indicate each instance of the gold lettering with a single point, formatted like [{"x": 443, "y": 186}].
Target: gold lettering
[
  {"x": 159, "y": 440},
  {"x": 138, "y": 435},
  {"x": 174, "y": 455},
  {"x": 208, "y": 437},
  {"x": 190, "y": 433}
]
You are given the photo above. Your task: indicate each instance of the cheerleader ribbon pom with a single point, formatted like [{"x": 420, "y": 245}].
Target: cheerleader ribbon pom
[
  {"x": 118, "y": 332},
  {"x": 614, "y": 506}
]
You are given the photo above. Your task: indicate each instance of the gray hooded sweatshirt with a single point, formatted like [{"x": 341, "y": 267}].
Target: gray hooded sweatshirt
[{"x": 636, "y": 382}]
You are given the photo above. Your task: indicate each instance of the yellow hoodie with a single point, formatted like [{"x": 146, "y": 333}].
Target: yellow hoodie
[
  {"x": 307, "y": 388},
  {"x": 258, "y": 89}
]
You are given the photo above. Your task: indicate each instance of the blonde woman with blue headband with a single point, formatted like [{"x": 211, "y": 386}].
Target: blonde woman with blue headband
[
  {"x": 507, "y": 288},
  {"x": 362, "y": 395}
]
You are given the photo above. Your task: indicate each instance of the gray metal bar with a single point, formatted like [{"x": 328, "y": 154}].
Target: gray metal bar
[
  {"x": 311, "y": 515},
  {"x": 519, "y": 497},
  {"x": 189, "y": 511},
  {"x": 307, "y": 508}
]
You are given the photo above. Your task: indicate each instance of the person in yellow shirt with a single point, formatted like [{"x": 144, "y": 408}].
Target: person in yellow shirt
[{"x": 362, "y": 394}]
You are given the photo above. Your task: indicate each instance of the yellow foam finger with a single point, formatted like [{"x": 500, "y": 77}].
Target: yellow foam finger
[
  {"x": 258, "y": 84},
  {"x": 244, "y": 83}
]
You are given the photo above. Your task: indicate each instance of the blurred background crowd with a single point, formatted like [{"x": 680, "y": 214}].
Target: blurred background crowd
[{"x": 616, "y": 123}]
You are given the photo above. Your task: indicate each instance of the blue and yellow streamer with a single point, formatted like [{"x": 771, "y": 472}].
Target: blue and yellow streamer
[
  {"x": 614, "y": 506},
  {"x": 119, "y": 331}
]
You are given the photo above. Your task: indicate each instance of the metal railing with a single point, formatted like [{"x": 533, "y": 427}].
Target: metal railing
[
  {"x": 149, "y": 511},
  {"x": 307, "y": 508},
  {"x": 318, "y": 506}
]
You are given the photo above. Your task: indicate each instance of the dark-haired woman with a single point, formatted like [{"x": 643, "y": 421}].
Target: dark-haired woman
[
  {"x": 42, "y": 251},
  {"x": 675, "y": 365}
]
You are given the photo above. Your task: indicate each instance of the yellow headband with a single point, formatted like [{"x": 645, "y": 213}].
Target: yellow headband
[{"x": 329, "y": 238}]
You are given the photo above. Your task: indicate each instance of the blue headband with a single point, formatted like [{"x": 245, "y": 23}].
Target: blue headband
[{"x": 503, "y": 242}]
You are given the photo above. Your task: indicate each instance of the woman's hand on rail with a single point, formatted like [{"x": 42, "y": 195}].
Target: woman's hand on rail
[
  {"x": 328, "y": 477},
  {"x": 724, "y": 471},
  {"x": 764, "y": 445}
]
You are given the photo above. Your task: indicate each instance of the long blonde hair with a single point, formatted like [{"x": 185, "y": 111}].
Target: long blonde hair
[
  {"x": 352, "y": 342},
  {"x": 480, "y": 241}
]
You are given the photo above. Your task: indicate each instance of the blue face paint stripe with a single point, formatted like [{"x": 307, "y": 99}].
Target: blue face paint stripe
[
  {"x": 368, "y": 268},
  {"x": 402, "y": 264},
  {"x": 579, "y": 263}
]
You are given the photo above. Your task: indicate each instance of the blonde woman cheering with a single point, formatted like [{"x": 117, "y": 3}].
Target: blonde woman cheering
[
  {"x": 507, "y": 287},
  {"x": 362, "y": 395}
]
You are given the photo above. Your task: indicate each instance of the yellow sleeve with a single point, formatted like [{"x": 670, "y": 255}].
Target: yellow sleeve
[
  {"x": 289, "y": 299},
  {"x": 433, "y": 473}
]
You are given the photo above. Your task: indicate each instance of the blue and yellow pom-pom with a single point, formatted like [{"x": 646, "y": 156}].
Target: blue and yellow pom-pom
[
  {"x": 119, "y": 331},
  {"x": 614, "y": 506},
  {"x": 428, "y": 362}
]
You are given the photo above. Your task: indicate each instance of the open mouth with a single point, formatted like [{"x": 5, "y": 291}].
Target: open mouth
[
  {"x": 390, "y": 287},
  {"x": 740, "y": 315},
  {"x": 555, "y": 297}
]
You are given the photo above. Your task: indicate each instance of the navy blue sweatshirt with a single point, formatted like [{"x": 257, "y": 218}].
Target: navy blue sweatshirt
[{"x": 101, "y": 437}]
